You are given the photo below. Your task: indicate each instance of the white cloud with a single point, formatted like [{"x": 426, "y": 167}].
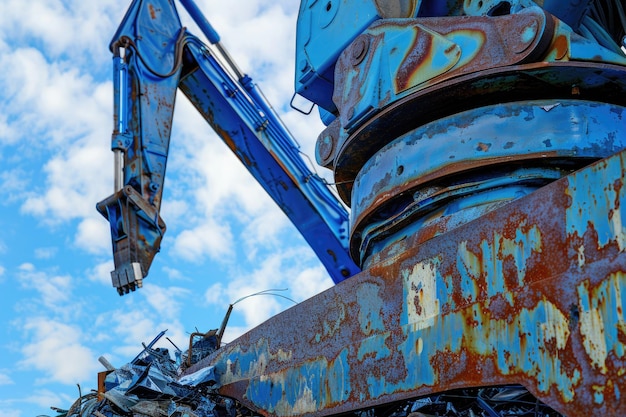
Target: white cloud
[
  {"x": 310, "y": 281},
  {"x": 13, "y": 182},
  {"x": 8, "y": 412},
  {"x": 55, "y": 349},
  {"x": 5, "y": 379},
  {"x": 54, "y": 23},
  {"x": 59, "y": 110},
  {"x": 27, "y": 267},
  {"x": 68, "y": 195},
  {"x": 174, "y": 274},
  {"x": 168, "y": 301},
  {"x": 46, "y": 398},
  {"x": 209, "y": 239},
  {"x": 214, "y": 294},
  {"x": 54, "y": 290},
  {"x": 174, "y": 211},
  {"x": 46, "y": 253},
  {"x": 101, "y": 273},
  {"x": 93, "y": 235},
  {"x": 263, "y": 231},
  {"x": 131, "y": 327},
  {"x": 227, "y": 183},
  {"x": 71, "y": 102}
]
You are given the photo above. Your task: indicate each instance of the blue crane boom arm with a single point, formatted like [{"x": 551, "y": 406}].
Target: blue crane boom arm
[{"x": 153, "y": 57}]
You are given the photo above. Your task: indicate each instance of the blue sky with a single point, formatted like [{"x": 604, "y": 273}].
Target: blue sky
[{"x": 225, "y": 238}]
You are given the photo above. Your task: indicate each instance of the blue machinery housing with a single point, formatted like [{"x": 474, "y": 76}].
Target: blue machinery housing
[{"x": 480, "y": 148}]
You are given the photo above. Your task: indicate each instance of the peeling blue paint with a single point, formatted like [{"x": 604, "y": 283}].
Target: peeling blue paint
[{"x": 598, "y": 200}]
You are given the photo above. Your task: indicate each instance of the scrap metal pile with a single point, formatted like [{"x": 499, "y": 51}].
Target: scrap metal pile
[
  {"x": 155, "y": 385},
  {"x": 505, "y": 401}
]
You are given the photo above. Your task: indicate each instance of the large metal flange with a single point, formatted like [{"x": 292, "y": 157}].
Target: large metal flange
[
  {"x": 453, "y": 170},
  {"x": 536, "y": 81}
]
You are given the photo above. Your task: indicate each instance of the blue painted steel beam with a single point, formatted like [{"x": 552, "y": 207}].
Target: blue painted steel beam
[
  {"x": 246, "y": 123},
  {"x": 531, "y": 293}
]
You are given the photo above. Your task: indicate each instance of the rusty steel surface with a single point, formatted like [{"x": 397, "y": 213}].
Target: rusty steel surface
[
  {"x": 531, "y": 293},
  {"x": 417, "y": 52},
  {"x": 485, "y": 155},
  {"x": 545, "y": 80}
]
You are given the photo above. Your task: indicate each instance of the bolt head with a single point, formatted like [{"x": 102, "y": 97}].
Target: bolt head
[
  {"x": 325, "y": 147},
  {"x": 359, "y": 49}
]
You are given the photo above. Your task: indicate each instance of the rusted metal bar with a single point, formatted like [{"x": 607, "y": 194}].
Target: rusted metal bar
[{"x": 530, "y": 293}]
